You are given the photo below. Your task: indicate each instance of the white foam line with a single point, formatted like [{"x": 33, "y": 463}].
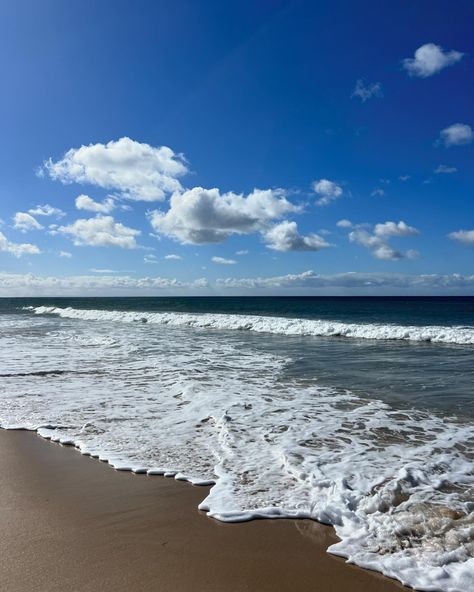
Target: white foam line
[{"x": 276, "y": 325}]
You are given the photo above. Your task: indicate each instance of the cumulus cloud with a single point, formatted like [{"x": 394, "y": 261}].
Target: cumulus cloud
[
  {"x": 134, "y": 170},
  {"x": 223, "y": 261},
  {"x": 366, "y": 91},
  {"x": 101, "y": 231},
  {"x": 24, "y": 222},
  {"x": 377, "y": 240},
  {"x": 285, "y": 237},
  {"x": 203, "y": 216},
  {"x": 173, "y": 257},
  {"x": 17, "y": 249},
  {"x": 465, "y": 237},
  {"x": 65, "y": 254},
  {"x": 30, "y": 284},
  {"x": 46, "y": 210},
  {"x": 328, "y": 190},
  {"x": 430, "y": 59},
  {"x": 457, "y": 134},
  {"x": 242, "y": 252},
  {"x": 444, "y": 169},
  {"x": 388, "y": 229},
  {"x": 84, "y": 202}
]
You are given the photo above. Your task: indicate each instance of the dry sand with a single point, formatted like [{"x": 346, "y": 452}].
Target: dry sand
[{"x": 69, "y": 523}]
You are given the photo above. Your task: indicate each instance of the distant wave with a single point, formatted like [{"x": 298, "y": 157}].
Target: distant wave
[{"x": 276, "y": 325}]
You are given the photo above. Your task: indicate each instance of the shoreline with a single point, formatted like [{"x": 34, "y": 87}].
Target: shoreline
[{"x": 68, "y": 524}]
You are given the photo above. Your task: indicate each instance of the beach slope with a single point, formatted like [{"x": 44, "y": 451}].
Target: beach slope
[{"x": 69, "y": 522}]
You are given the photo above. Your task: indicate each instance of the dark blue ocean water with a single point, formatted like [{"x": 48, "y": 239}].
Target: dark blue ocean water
[{"x": 397, "y": 310}]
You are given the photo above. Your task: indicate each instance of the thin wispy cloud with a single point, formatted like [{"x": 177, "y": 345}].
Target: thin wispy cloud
[
  {"x": 365, "y": 91},
  {"x": 443, "y": 169},
  {"x": 223, "y": 261}
]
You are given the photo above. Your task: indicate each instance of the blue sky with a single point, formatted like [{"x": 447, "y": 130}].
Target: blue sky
[{"x": 237, "y": 147}]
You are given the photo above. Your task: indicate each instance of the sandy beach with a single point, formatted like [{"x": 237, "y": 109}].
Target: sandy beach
[{"x": 71, "y": 523}]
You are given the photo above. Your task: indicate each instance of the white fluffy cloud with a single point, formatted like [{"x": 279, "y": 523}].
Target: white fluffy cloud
[
  {"x": 377, "y": 240},
  {"x": 285, "y": 237},
  {"x": 457, "y": 134},
  {"x": 444, "y": 169},
  {"x": 202, "y": 216},
  {"x": 430, "y": 59},
  {"x": 173, "y": 257},
  {"x": 366, "y": 91},
  {"x": 46, "y": 210},
  {"x": 101, "y": 231},
  {"x": 328, "y": 190},
  {"x": 223, "y": 261},
  {"x": 24, "y": 222},
  {"x": 134, "y": 170},
  {"x": 84, "y": 202},
  {"x": 17, "y": 249},
  {"x": 466, "y": 237},
  {"x": 65, "y": 254}
]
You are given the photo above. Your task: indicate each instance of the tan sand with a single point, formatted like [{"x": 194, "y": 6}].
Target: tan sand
[{"x": 69, "y": 523}]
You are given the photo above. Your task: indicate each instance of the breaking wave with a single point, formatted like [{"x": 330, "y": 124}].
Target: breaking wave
[{"x": 461, "y": 335}]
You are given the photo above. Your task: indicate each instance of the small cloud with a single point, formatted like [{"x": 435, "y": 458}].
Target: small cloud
[
  {"x": 285, "y": 237},
  {"x": 17, "y": 249},
  {"x": 242, "y": 252},
  {"x": 377, "y": 241},
  {"x": 378, "y": 192},
  {"x": 344, "y": 223},
  {"x": 24, "y": 222},
  {"x": 46, "y": 210},
  {"x": 65, "y": 254},
  {"x": 328, "y": 190},
  {"x": 465, "y": 237},
  {"x": 174, "y": 257},
  {"x": 101, "y": 231},
  {"x": 404, "y": 177},
  {"x": 150, "y": 258},
  {"x": 84, "y": 202},
  {"x": 94, "y": 270},
  {"x": 444, "y": 169},
  {"x": 366, "y": 91},
  {"x": 223, "y": 261},
  {"x": 457, "y": 134},
  {"x": 430, "y": 59}
]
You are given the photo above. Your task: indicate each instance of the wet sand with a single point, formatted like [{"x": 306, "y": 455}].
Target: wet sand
[{"x": 69, "y": 523}]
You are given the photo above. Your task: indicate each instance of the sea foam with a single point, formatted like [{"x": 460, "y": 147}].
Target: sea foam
[
  {"x": 396, "y": 484},
  {"x": 277, "y": 325}
]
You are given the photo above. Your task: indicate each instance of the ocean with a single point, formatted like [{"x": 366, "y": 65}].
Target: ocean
[{"x": 356, "y": 412}]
